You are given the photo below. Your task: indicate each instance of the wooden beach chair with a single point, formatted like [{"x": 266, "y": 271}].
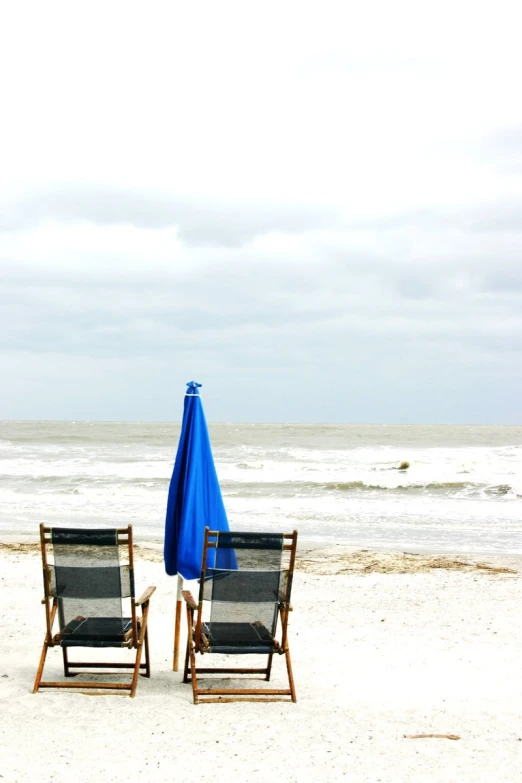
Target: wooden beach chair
[
  {"x": 244, "y": 607},
  {"x": 88, "y": 587}
]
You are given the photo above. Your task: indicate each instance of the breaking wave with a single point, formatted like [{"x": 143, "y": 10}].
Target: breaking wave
[{"x": 449, "y": 488}]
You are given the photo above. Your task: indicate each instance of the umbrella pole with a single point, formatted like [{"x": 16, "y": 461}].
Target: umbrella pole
[{"x": 177, "y": 626}]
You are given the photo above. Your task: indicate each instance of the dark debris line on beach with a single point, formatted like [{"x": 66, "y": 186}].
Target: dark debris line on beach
[
  {"x": 365, "y": 562},
  {"x": 326, "y": 562}
]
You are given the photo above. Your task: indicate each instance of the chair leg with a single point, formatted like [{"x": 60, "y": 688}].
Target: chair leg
[
  {"x": 41, "y": 665},
  {"x": 47, "y": 643},
  {"x": 142, "y": 643},
  {"x": 66, "y": 670},
  {"x": 193, "y": 673},
  {"x": 269, "y": 666},
  {"x": 147, "y": 657},
  {"x": 187, "y": 661},
  {"x": 136, "y": 674},
  {"x": 290, "y": 675}
]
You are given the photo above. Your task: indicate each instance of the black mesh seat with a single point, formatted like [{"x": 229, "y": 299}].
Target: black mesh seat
[
  {"x": 239, "y": 638},
  {"x": 86, "y": 587},
  {"x": 97, "y": 632},
  {"x": 247, "y": 602}
]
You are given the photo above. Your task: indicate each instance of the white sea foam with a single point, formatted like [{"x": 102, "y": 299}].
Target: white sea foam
[{"x": 461, "y": 491}]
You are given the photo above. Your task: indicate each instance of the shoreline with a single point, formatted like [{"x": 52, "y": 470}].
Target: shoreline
[
  {"x": 154, "y": 542},
  {"x": 334, "y": 559}
]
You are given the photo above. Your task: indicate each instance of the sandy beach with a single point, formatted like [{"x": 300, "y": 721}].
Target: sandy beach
[{"x": 383, "y": 645}]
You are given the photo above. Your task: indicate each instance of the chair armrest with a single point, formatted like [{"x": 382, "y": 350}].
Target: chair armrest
[
  {"x": 145, "y": 597},
  {"x": 187, "y": 595}
]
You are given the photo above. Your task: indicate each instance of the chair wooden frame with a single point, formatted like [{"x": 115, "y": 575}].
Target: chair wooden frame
[
  {"x": 137, "y": 638},
  {"x": 198, "y": 643}
]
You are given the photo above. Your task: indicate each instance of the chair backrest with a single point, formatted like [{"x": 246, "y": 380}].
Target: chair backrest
[
  {"x": 86, "y": 576},
  {"x": 258, "y": 579}
]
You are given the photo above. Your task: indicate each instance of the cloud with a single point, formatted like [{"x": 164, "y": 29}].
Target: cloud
[
  {"x": 197, "y": 221},
  {"x": 306, "y": 293},
  {"x": 503, "y": 149},
  {"x": 321, "y": 197}
]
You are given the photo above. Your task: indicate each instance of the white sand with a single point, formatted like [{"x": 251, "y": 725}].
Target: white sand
[{"x": 376, "y": 656}]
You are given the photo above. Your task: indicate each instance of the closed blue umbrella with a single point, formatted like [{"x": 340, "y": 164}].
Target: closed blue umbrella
[{"x": 194, "y": 501}]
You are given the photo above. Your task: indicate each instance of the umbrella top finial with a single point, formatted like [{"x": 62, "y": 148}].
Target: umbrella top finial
[{"x": 193, "y": 387}]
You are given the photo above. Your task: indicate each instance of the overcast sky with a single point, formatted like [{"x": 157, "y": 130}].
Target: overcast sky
[{"x": 313, "y": 209}]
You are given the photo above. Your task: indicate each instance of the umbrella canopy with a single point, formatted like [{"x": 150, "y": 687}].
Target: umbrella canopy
[{"x": 195, "y": 500}]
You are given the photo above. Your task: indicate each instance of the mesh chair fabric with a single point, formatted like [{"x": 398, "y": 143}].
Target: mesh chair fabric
[
  {"x": 103, "y": 581},
  {"x": 244, "y": 601},
  {"x": 97, "y": 632},
  {"x": 89, "y": 584}
]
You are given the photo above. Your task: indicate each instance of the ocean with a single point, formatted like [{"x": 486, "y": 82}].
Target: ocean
[{"x": 462, "y": 491}]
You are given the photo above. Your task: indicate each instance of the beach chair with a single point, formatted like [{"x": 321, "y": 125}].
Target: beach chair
[
  {"x": 88, "y": 587},
  {"x": 240, "y": 611}
]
